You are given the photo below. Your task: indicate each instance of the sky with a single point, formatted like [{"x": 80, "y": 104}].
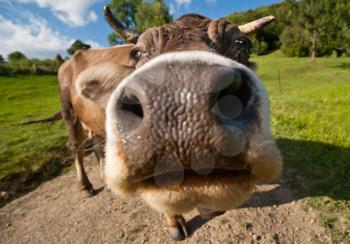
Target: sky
[{"x": 43, "y": 28}]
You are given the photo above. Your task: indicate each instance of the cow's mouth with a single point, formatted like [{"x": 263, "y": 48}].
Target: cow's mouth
[{"x": 191, "y": 178}]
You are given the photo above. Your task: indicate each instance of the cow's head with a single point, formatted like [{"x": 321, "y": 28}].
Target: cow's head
[{"x": 191, "y": 125}]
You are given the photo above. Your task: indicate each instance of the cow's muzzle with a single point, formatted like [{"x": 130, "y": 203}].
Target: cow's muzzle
[{"x": 183, "y": 115}]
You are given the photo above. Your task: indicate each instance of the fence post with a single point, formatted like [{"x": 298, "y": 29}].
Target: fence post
[{"x": 279, "y": 82}]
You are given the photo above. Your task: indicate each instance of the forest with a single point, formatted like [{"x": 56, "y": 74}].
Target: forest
[{"x": 298, "y": 23}]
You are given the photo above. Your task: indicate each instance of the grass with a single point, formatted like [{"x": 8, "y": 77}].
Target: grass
[
  {"x": 311, "y": 121},
  {"x": 29, "y": 153}
]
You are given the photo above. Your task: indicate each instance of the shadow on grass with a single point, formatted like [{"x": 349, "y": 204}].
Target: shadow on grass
[
  {"x": 344, "y": 65},
  {"x": 317, "y": 169},
  {"x": 312, "y": 169},
  {"x": 22, "y": 183}
]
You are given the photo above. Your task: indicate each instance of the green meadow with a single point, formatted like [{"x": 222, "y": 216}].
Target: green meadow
[
  {"x": 310, "y": 119},
  {"x": 29, "y": 153}
]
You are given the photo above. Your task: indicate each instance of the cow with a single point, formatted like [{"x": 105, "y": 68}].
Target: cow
[
  {"x": 184, "y": 119},
  {"x": 78, "y": 111}
]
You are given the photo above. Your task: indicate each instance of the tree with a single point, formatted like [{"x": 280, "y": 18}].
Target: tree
[
  {"x": 295, "y": 41},
  {"x": 2, "y": 60},
  {"x": 77, "y": 45},
  {"x": 259, "y": 47},
  {"x": 138, "y": 15},
  {"x": 152, "y": 14},
  {"x": 15, "y": 57},
  {"x": 339, "y": 37},
  {"x": 313, "y": 18},
  {"x": 314, "y": 47}
]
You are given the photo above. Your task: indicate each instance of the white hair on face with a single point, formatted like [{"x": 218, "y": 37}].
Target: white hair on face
[
  {"x": 108, "y": 74},
  {"x": 116, "y": 171},
  {"x": 99, "y": 81},
  {"x": 218, "y": 196}
]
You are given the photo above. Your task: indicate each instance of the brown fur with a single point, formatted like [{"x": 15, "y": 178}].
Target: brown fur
[{"x": 195, "y": 32}]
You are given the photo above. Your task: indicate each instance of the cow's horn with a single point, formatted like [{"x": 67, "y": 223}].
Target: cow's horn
[
  {"x": 254, "y": 26},
  {"x": 119, "y": 27}
]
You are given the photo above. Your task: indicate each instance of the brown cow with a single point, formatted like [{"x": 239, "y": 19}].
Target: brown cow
[{"x": 189, "y": 128}]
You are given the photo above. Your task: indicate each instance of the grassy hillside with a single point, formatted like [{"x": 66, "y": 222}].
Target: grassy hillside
[
  {"x": 311, "y": 121},
  {"x": 29, "y": 152}
]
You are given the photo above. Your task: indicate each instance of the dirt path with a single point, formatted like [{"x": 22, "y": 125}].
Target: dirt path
[{"x": 55, "y": 213}]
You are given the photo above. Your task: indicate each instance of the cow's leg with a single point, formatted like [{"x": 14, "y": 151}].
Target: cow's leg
[
  {"x": 76, "y": 137},
  {"x": 83, "y": 180},
  {"x": 99, "y": 153},
  {"x": 98, "y": 149},
  {"x": 176, "y": 225}
]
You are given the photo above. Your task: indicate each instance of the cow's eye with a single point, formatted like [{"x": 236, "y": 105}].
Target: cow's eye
[
  {"x": 138, "y": 54},
  {"x": 242, "y": 44}
]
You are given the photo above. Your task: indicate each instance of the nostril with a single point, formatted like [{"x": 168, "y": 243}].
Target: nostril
[
  {"x": 229, "y": 106},
  {"x": 129, "y": 111},
  {"x": 131, "y": 104},
  {"x": 232, "y": 96}
]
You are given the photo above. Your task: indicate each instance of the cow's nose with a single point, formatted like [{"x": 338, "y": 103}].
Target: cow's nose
[{"x": 223, "y": 96}]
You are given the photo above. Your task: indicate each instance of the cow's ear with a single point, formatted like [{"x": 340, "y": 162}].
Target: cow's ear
[
  {"x": 223, "y": 32},
  {"x": 98, "y": 82}
]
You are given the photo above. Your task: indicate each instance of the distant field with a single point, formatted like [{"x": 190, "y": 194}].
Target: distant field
[
  {"x": 29, "y": 152},
  {"x": 311, "y": 120}
]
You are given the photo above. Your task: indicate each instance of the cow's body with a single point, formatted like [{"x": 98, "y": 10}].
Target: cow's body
[{"x": 80, "y": 113}]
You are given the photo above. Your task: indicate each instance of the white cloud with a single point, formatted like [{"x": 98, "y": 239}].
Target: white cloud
[
  {"x": 33, "y": 37},
  {"x": 71, "y": 12},
  {"x": 183, "y": 2},
  {"x": 93, "y": 44},
  {"x": 177, "y": 5},
  {"x": 172, "y": 9},
  {"x": 31, "y": 34}
]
